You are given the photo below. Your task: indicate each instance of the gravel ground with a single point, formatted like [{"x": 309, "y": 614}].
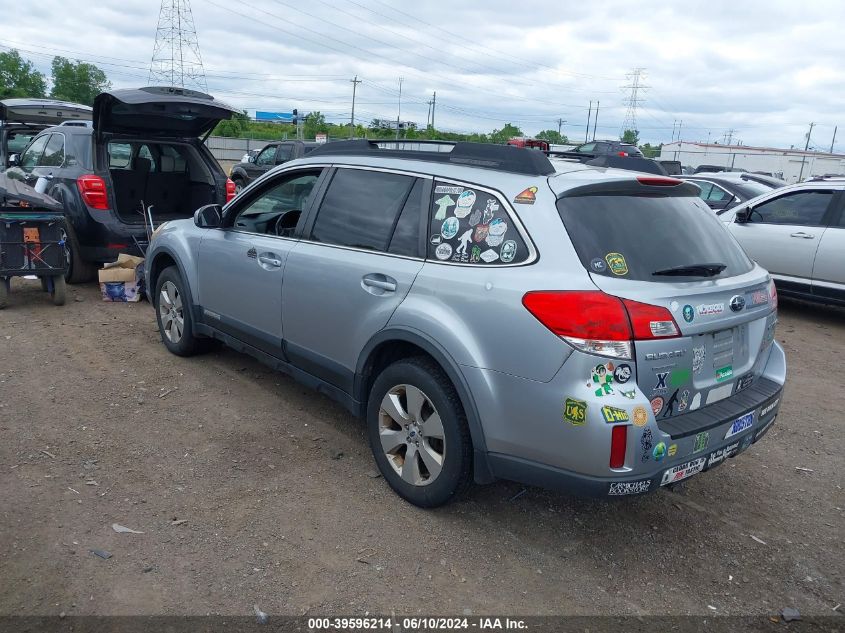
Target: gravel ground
[{"x": 250, "y": 489}]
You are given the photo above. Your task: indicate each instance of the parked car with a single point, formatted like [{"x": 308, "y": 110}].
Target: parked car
[
  {"x": 142, "y": 152},
  {"x": 22, "y": 119},
  {"x": 728, "y": 189},
  {"x": 595, "y": 330},
  {"x": 798, "y": 233},
  {"x": 242, "y": 174},
  {"x": 603, "y": 148}
]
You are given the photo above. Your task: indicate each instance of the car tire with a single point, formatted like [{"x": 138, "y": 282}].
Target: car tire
[
  {"x": 4, "y": 292},
  {"x": 397, "y": 427},
  {"x": 59, "y": 294},
  {"x": 79, "y": 271},
  {"x": 173, "y": 315},
  {"x": 239, "y": 185}
]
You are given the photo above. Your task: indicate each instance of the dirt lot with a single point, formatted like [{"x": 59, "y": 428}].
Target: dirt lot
[{"x": 99, "y": 424}]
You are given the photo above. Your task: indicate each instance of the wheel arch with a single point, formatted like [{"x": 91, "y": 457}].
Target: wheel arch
[
  {"x": 394, "y": 344},
  {"x": 162, "y": 259}
]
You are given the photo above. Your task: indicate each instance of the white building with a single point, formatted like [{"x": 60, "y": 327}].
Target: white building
[{"x": 782, "y": 163}]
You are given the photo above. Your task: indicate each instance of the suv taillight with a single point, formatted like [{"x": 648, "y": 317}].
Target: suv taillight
[
  {"x": 230, "y": 189},
  {"x": 598, "y": 323},
  {"x": 773, "y": 294},
  {"x": 93, "y": 190}
]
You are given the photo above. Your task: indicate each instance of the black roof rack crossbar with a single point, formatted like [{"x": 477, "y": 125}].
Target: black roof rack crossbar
[{"x": 486, "y": 155}]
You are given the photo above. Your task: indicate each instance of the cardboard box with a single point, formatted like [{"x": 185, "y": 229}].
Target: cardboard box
[{"x": 121, "y": 281}]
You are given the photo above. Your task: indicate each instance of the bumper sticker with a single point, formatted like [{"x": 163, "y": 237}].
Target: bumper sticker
[
  {"x": 722, "y": 454},
  {"x": 701, "y": 442},
  {"x": 683, "y": 471},
  {"x": 575, "y": 411},
  {"x": 612, "y": 415},
  {"x": 740, "y": 424},
  {"x": 640, "y": 416},
  {"x": 629, "y": 487}
]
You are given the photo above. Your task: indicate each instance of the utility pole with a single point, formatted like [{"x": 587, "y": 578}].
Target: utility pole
[
  {"x": 399, "y": 111},
  {"x": 596, "y": 119},
  {"x": 833, "y": 140},
  {"x": 176, "y": 54},
  {"x": 355, "y": 83},
  {"x": 589, "y": 116},
  {"x": 806, "y": 147},
  {"x": 433, "y": 106},
  {"x": 729, "y": 135},
  {"x": 680, "y": 125},
  {"x": 674, "y": 123},
  {"x": 560, "y": 123},
  {"x": 634, "y": 100}
]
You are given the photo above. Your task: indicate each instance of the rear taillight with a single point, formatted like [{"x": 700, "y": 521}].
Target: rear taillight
[
  {"x": 623, "y": 153},
  {"x": 773, "y": 294},
  {"x": 93, "y": 190},
  {"x": 618, "y": 445},
  {"x": 598, "y": 323},
  {"x": 230, "y": 189}
]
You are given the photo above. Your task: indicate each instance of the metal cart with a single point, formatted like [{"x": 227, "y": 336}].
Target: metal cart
[{"x": 31, "y": 239}]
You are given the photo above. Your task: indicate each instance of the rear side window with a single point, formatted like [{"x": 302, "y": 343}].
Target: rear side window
[
  {"x": 633, "y": 237},
  {"x": 406, "y": 235},
  {"x": 803, "y": 208},
  {"x": 54, "y": 152},
  {"x": 470, "y": 226},
  {"x": 360, "y": 208}
]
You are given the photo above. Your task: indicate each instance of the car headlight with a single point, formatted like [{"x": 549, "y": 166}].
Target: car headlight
[{"x": 158, "y": 229}]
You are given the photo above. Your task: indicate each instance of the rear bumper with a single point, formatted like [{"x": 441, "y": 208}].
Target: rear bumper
[{"x": 554, "y": 478}]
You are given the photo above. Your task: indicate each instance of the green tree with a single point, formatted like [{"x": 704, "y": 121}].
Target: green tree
[
  {"x": 553, "y": 136},
  {"x": 18, "y": 77},
  {"x": 505, "y": 134},
  {"x": 77, "y": 81},
  {"x": 631, "y": 136},
  {"x": 651, "y": 151}
]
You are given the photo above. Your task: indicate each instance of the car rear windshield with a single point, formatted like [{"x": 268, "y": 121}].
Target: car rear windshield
[
  {"x": 752, "y": 188},
  {"x": 635, "y": 236}
]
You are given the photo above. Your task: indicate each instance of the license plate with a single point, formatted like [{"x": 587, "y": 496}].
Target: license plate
[
  {"x": 683, "y": 471},
  {"x": 740, "y": 424}
]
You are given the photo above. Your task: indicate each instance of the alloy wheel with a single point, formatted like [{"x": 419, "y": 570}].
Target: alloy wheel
[
  {"x": 170, "y": 312},
  {"x": 411, "y": 434}
]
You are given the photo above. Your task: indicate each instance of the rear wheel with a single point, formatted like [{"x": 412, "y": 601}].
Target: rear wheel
[
  {"x": 4, "y": 292},
  {"x": 78, "y": 271},
  {"x": 239, "y": 185},
  {"x": 59, "y": 294},
  {"x": 173, "y": 313},
  {"x": 418, "y": 432}
]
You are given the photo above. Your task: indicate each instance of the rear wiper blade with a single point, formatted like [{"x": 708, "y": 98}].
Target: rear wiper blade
[{"x": 692, "y": 270}]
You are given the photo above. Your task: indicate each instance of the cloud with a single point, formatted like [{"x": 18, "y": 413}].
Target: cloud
[{"x": 766, "y": 69}]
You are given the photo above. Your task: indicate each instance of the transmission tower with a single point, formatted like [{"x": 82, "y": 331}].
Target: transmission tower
[
  {"x": 634, "y": 100},
  {"x": 176, "y": 55}
]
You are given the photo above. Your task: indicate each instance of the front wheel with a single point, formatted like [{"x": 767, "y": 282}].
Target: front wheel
[
  {"x": 418, "y": 432},
  {"x": 173, "y": 313}
]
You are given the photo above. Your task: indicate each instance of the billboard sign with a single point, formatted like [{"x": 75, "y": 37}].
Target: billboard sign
[{"x": 274, "y": 117}]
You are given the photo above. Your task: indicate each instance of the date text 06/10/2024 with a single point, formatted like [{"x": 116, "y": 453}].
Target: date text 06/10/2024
[{"x": 415, "y": 624}]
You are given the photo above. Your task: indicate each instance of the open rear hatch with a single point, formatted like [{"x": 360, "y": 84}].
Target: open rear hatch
[
  {"x": 158, "y": 111},
  {"x": 42, "y": 111},
  {"x": 651, "y": 240}
]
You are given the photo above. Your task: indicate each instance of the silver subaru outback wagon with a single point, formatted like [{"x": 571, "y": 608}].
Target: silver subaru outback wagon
[{"x": 490, "y": 313}]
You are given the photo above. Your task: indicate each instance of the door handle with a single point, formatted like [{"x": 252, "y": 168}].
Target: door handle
[
  {"x": 269, "y": 260},
  {"x": 806, "y": 236},
  {"x": 382, "y": 282}
]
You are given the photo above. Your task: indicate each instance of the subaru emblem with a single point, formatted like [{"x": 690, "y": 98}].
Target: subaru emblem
[{"x": 737, "y": 303}]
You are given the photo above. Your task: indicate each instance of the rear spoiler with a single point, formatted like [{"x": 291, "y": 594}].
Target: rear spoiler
[{"x": 642, "y": 184}]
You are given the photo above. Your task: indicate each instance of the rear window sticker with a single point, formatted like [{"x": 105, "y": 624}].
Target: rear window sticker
[
  {"x": 444, "y": 251},
  {"x": 617, "y": 263},
  {"x": 435, "y": 239},
  {"x": 496, "y": 232},
  {"x": 526, "y": 196},
  {"x": 449, "y": 228},
  {"x": 465, "y": 202},
  {"x": 488, "y": 215},
  {"x": 480, "y": 233},
  {"x": 640, "y": 416},
  {"x": 489, "y": 255},
  {"x": 508, "y": 251},
  {"x": 464, "y": 240},
  {"x": 475, "y": 255},
  {"x": 475, "y": 218},
  {"x": 575, "y": 411},
  {"x": 492, "y": 205},
  {"x": 447, "y": 189},
  {"x": 442, "y": 205},
  {"x": 598, "y": 265},
  {"x": 601, "y": 380}
]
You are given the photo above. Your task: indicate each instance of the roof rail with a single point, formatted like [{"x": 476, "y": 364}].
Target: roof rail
[{"x": 485, "y": 155}]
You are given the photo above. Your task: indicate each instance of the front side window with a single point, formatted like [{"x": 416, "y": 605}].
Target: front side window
[
  {"x": 30, "y": 157},
  {"x": 589, "y": 147},
  {"x": 803, "y": 208},
  {"x": 267, "y": 156},
  {"x": 360, "y": 208},
  {"x": 470, "y": 226},
  {"x": 275, "y": 209}
]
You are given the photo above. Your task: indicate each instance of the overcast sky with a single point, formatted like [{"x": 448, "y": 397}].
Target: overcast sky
[{"x": 764, "y": 69}]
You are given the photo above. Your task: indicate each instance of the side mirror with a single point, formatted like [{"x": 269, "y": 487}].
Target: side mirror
[
  {"x": 14, "y": 160},
  {"x": 250, "y": 159},
  {"x": 208, "y": 217},
  {"x": 743, "y": 216}
]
